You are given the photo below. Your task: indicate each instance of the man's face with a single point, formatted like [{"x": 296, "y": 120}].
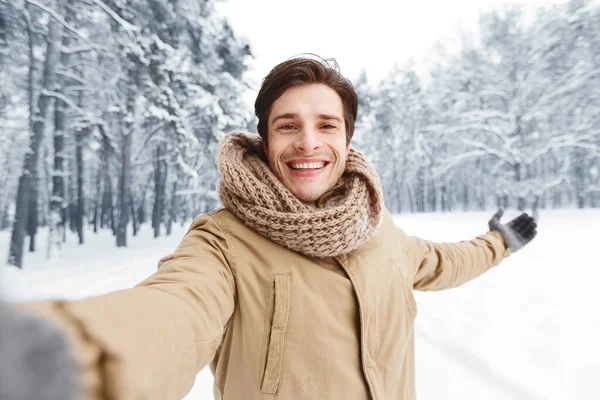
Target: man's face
[{"x": 307, "y": 147}]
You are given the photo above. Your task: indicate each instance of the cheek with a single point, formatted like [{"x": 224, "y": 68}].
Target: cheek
[
  {"x": 278, "y": 150},
  {"x": 274, "y": 156},
  {"x": 342, "y": 150}
]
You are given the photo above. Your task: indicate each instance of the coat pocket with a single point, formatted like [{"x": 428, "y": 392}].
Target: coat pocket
[{"x": 280, "y": 296}]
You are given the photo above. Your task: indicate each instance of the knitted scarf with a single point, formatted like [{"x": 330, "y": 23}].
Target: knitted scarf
[{"x": 344, "y": 218}]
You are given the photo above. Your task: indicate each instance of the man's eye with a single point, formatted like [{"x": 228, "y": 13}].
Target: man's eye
[
  {"x": 286, "y": 127},
  {"x": 328, "y": 126}
]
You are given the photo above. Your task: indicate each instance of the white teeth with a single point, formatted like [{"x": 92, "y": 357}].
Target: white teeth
[{"x": 315, "y": 165}]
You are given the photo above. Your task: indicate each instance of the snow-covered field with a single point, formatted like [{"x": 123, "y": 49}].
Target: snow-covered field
[{"x": 528, "y": 329}]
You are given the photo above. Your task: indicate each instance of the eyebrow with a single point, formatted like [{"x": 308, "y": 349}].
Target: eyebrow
[
  {"x": 295, "y": 115},
  {"x": 284, "y": 116},
  {"x": 330, "y": 117}
]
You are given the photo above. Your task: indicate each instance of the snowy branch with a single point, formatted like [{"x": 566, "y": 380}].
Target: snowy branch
[
  {"x": 70, "y": 75},
  {"x": 556, "y": 90},
  {"x": 185, "y": 168},
  {"x": 76, "y": 49},
  {"x": 440, "y": 170},
  {"x": 549, "y": 185},
  {"x": 565, "y": 142},
  {"x": 64, "y": 98},
  {"x": 149, "y": 137},
  {"x": 490, "y": 150},
  {"x": 80, "y": 88},
  {"x": 126, "y": 25},
  {"x": 484, "y": 115},
  {"x": 62, "y": 21}
]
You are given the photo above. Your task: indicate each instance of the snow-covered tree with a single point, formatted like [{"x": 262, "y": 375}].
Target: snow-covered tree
[{"x": 136, "y": 94}]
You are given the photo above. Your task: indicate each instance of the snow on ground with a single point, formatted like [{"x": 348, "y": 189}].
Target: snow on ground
[{"x": 528, "y": 329}]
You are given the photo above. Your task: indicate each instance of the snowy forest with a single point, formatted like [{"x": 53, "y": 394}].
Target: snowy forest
[
  {"x": 111, "y": 112},
  {"x": 512, "y": 120}
]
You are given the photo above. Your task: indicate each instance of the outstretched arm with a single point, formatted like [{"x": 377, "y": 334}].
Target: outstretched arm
[
  {"x": 446, "y": 265},
  {"x": 149, "y": 342}
]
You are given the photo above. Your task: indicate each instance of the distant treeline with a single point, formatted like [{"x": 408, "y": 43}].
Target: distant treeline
[{"x": 513, "y": 120}]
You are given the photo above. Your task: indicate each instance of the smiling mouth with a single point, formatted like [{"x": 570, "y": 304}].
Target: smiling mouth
[{"x": 307, "y": 166}]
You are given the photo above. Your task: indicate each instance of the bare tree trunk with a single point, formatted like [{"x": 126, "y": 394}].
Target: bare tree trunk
[
  {"x": 444, "y": 198},
  {"x": 26, "y": 202},
  {"x": 579, "y": 178},
  {"x": 58, "y": 201},
  {"x": 97, "y": 201},
  {"x": 107, "y": 218},
  {"x": 421, "y": 190},
  {"x": 112, "y": 214},
  {"x": 465, "y": 196},
  {"x": 48, "y": 84},
  {"x": 5, "y": 195},
  {"x": 141, "y": 210},
  {"x": 521, "y": 202},
  {"x": 134, "y": 221},
  {"x": 172, "y": 209},
  {"x": 125, "y": 181},
  {"x": 411, "y": 198},
  {"x": 124, "y": 197},
  {"x": 434, "y": 196},
  {"x": 160, "y": 177},
  {"x": 72, "y": 208},
  {"x": 80, "y": 210}
]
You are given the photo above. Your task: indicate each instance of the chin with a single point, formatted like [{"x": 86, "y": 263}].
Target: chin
[
  {"x": 309, "y": 195},
  {"x": 303, "y": 196},
  {"x": 308, "y": 199}
]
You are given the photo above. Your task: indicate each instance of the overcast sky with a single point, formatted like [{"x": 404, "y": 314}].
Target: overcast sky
[{"x": 369, "y": 34}]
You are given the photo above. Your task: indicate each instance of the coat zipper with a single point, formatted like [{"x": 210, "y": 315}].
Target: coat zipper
[{"x": 363, "y": 334}]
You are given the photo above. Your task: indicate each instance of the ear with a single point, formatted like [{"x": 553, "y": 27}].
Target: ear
[
  {"x": 347, "y": 149},
  {"x": 265, "y": 150}
]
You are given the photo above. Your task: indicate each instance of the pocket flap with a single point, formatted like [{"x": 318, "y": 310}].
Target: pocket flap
[{"x": 281, "y": 313}]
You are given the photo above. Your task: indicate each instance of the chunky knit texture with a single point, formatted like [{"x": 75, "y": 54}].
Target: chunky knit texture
[{"x": 344, "y": 219}]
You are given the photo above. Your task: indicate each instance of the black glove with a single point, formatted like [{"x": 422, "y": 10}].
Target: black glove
[
  {"x": 35, "y": 359},
  {"x": 517, "y": 232}
]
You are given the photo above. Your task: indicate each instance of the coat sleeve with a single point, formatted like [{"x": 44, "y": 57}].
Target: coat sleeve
[
  {"x": 150, "y": 341},
  {"x": 440, "y": 266}
]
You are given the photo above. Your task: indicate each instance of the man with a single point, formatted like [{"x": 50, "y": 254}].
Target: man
[{"x": 300, "y": 288}]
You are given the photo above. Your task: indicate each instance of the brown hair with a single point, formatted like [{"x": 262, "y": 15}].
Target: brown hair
[{"x": 305, "y": 71}]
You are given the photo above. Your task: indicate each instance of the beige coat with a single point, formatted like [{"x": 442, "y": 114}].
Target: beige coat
[{"x": 272, "y": 323}]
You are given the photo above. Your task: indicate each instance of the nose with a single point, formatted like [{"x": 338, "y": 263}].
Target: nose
[{"x": 308, "y": 140}]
